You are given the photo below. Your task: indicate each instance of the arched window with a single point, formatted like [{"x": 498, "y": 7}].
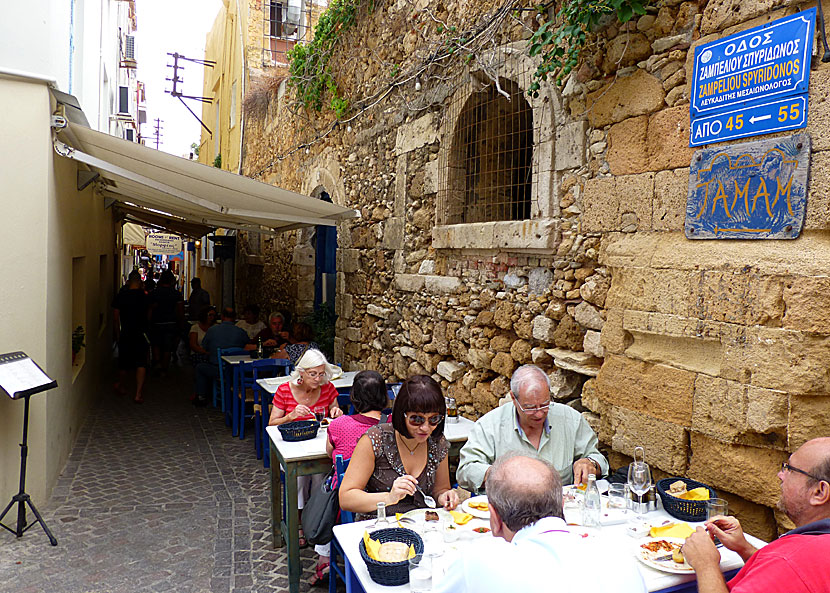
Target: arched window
[{"x": 491, "y": 157}]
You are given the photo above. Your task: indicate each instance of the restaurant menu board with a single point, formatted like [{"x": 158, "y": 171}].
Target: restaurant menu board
[{"x": 20, "y": 376}]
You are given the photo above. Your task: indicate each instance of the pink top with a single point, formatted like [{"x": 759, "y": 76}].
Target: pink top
[
  {"x": 345, "y": 431},
  {"x": 284, "y": 399}
]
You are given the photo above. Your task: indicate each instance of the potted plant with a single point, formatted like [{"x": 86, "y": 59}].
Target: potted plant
[{"x": 78, "y": 336}]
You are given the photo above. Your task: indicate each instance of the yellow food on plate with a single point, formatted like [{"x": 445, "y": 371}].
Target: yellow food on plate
[
  {"x": 461, "y": 518},
  {"x": 479, "y": 506},
  {"x": 678, "y": 530},
  {"x": 582, "y": 487},
  {"x": 677, "y": 556}
]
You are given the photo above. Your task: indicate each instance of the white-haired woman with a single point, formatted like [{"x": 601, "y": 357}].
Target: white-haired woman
[{"x": 308, "y": 388}]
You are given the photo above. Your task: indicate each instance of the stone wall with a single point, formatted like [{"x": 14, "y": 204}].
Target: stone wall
[{"x": 711, "y": 354}]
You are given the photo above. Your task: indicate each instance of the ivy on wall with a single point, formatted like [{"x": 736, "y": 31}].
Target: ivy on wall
[
  {"x": 308, "y": 64},
  {"x": 561, "y": 40}
]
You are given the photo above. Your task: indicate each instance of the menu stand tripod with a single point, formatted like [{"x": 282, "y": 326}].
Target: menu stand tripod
[{"x": 16, "y": 375}]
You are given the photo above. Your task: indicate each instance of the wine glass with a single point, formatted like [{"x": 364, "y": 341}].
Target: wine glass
[
  {"x": 320, "y": 413},
  {"x": 639, "y": 481}
]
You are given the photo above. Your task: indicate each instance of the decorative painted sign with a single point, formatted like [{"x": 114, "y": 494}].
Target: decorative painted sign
[
  {"x": 164, "y": 244},
  {"x": 763, "y": 63},
  {"x": 765, "y": 118},
  {"x": 754, "y": 190}
]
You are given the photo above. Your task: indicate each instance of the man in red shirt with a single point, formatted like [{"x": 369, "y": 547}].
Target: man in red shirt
[{"x": 794, "y": 563}]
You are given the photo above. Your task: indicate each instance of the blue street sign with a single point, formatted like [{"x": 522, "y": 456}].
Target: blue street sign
[
  {"x": 763, "y": 118},
  {"x": 760, "y": 64}
]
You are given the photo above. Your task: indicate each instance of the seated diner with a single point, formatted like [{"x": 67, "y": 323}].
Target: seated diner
[{"x": 399, "y": 463}]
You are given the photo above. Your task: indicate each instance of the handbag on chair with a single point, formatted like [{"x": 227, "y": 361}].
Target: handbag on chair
[{"x": 320, "y": 512}]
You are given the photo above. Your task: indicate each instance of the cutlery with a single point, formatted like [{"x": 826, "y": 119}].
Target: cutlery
[{"x": 430, "y": 502}]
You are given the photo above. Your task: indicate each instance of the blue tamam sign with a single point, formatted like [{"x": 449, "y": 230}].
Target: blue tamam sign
[
  {"x": 763, "y": 63},
  {"x": 754, "y": 190}
]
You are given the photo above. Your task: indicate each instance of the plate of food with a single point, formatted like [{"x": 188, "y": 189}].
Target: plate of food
[
  {"x": 664, "y": 554},
  {"x": 425, "y": 516},
  {"x": 477, "y": 506}
]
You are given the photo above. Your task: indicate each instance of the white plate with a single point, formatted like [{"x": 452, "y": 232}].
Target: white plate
[
  {"x": 465, "y": 506},
  {"x": 647, "y": 556},
  {"x": 418, "y": 515}
]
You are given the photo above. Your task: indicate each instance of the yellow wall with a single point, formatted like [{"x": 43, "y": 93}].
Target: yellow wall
[
  {"x": 46, "y": 223},
  {"x": 224, "y": 84}
]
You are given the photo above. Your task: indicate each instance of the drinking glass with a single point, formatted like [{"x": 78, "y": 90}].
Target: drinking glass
[
  {"x": 320, "y": 413},
  {"x": 420, "y": 573},
  {"x": 715, "y": 507},
  {"x": 616, "y": 496},
  {"x": 639, "y": 481}
]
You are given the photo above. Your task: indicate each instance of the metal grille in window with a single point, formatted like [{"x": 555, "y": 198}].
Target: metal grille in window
[
  {"x": 285, "y": 23},
  {"x": 488, "y": 172}
]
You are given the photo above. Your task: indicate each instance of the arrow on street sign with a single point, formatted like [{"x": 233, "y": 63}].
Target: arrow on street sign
[{"x": 765, "y": 118}]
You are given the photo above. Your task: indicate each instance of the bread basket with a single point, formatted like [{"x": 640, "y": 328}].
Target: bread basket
[
  {"x": 391, "y": 573},
  {"x": 300, "y": 430},
  {"x": 680, "y": 508}
]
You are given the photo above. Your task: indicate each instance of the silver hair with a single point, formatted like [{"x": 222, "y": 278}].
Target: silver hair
[
  {"x": 521, "y": 502},
  {"x": 276, "y": 314},
  {"x": 524, "y": 374},
  {"x": 314, "y": 358}
]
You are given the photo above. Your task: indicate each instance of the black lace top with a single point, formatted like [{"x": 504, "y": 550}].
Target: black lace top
[{"x": 388, "y": 467}]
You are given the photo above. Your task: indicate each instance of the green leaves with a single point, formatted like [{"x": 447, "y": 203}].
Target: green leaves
[
  {"x": 560, "y": 45},
  {"x": 309, "y": 73}
]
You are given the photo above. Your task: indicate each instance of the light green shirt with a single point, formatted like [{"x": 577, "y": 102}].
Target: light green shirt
[{"x": 566, "y": 438}]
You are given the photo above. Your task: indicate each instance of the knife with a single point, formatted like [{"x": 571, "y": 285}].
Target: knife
[{"x": 662, "y": 558}]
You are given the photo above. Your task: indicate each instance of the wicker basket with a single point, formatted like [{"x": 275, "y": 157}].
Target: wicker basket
[
  {"x": 680, "y": 508},
  {"x": 391, "y": 573},
  {"x": 301, "y": 430}
]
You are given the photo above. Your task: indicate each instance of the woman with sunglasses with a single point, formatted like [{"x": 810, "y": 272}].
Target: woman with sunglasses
[
  {"x": 392, "y": 461},
  {"x": 308, "y": 387}
]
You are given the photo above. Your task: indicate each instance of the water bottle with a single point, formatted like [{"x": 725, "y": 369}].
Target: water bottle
[
  {"x": 259, "y": 350},
  {"x": 592, "y": 504},
  {"x": 381, "y": 522}
]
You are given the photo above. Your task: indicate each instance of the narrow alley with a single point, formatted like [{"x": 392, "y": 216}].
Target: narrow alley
[{"x": 154, "y": 497}]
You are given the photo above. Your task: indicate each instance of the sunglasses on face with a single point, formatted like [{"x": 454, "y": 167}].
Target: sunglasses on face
[{"x": 419, "y": 419}]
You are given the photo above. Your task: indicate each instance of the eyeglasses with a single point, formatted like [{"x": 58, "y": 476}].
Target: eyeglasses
[
  {"x": 534, "y": 409},
  {"x": 314, "y": 374},
  {"x": 787, "y": 467},
  {"x": 419, "y": 419}
]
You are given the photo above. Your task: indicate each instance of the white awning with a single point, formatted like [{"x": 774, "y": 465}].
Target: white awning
[
  {"x": 133, "y": 234},
  {"x": 184, "y": 191}
]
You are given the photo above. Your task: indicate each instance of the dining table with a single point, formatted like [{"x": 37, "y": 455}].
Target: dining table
[
  {"x": 616, "y": 536},
  {"x": 303, "y": 458},
  {"x": 239, "y": 362}
]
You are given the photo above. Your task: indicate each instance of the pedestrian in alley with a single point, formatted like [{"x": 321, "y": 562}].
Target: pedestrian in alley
[
  {"x": 223, "y": 335},
  {"x": 166, "y": 318},
  {"x": 199, "y": 299},
  {"x": 130, "y": 322}
]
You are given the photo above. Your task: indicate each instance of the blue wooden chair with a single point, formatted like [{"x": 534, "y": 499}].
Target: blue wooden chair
[
  {"x": 225, "y": 382},
  {"x": 345, "y": 517},
  {"x": 269, "y": 367}
]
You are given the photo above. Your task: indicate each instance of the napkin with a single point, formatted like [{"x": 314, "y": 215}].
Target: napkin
[
  {"x": 461, "y": 518},
  {"x": 696, "y": 494},
  {"x": 678, "y": 530}
]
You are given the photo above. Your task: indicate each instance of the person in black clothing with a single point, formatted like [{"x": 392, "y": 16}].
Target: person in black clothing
[
  {"x": 166, "y": 317},
  {"x": 130, "y": 310},
  {"x": 199, "y": 299}
]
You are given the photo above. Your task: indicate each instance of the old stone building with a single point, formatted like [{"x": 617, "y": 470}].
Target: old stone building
[{"x": 500, "y": 228}]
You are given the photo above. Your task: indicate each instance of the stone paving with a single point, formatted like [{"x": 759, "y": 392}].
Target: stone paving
[{"x": 154, "y": 497}]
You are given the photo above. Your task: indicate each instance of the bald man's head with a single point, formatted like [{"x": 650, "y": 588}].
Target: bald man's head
[
  {"x": 523, "y": 490},
  {"x": 817, "y": 455}
]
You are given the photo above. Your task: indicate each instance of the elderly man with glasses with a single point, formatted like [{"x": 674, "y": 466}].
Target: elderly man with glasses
[
  {"x": 795, "y": 562},
  {"x": 533, "y": 425}
]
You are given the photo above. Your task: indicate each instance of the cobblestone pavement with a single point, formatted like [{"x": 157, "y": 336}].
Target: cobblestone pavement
[{"x": 154, "y": 497}]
